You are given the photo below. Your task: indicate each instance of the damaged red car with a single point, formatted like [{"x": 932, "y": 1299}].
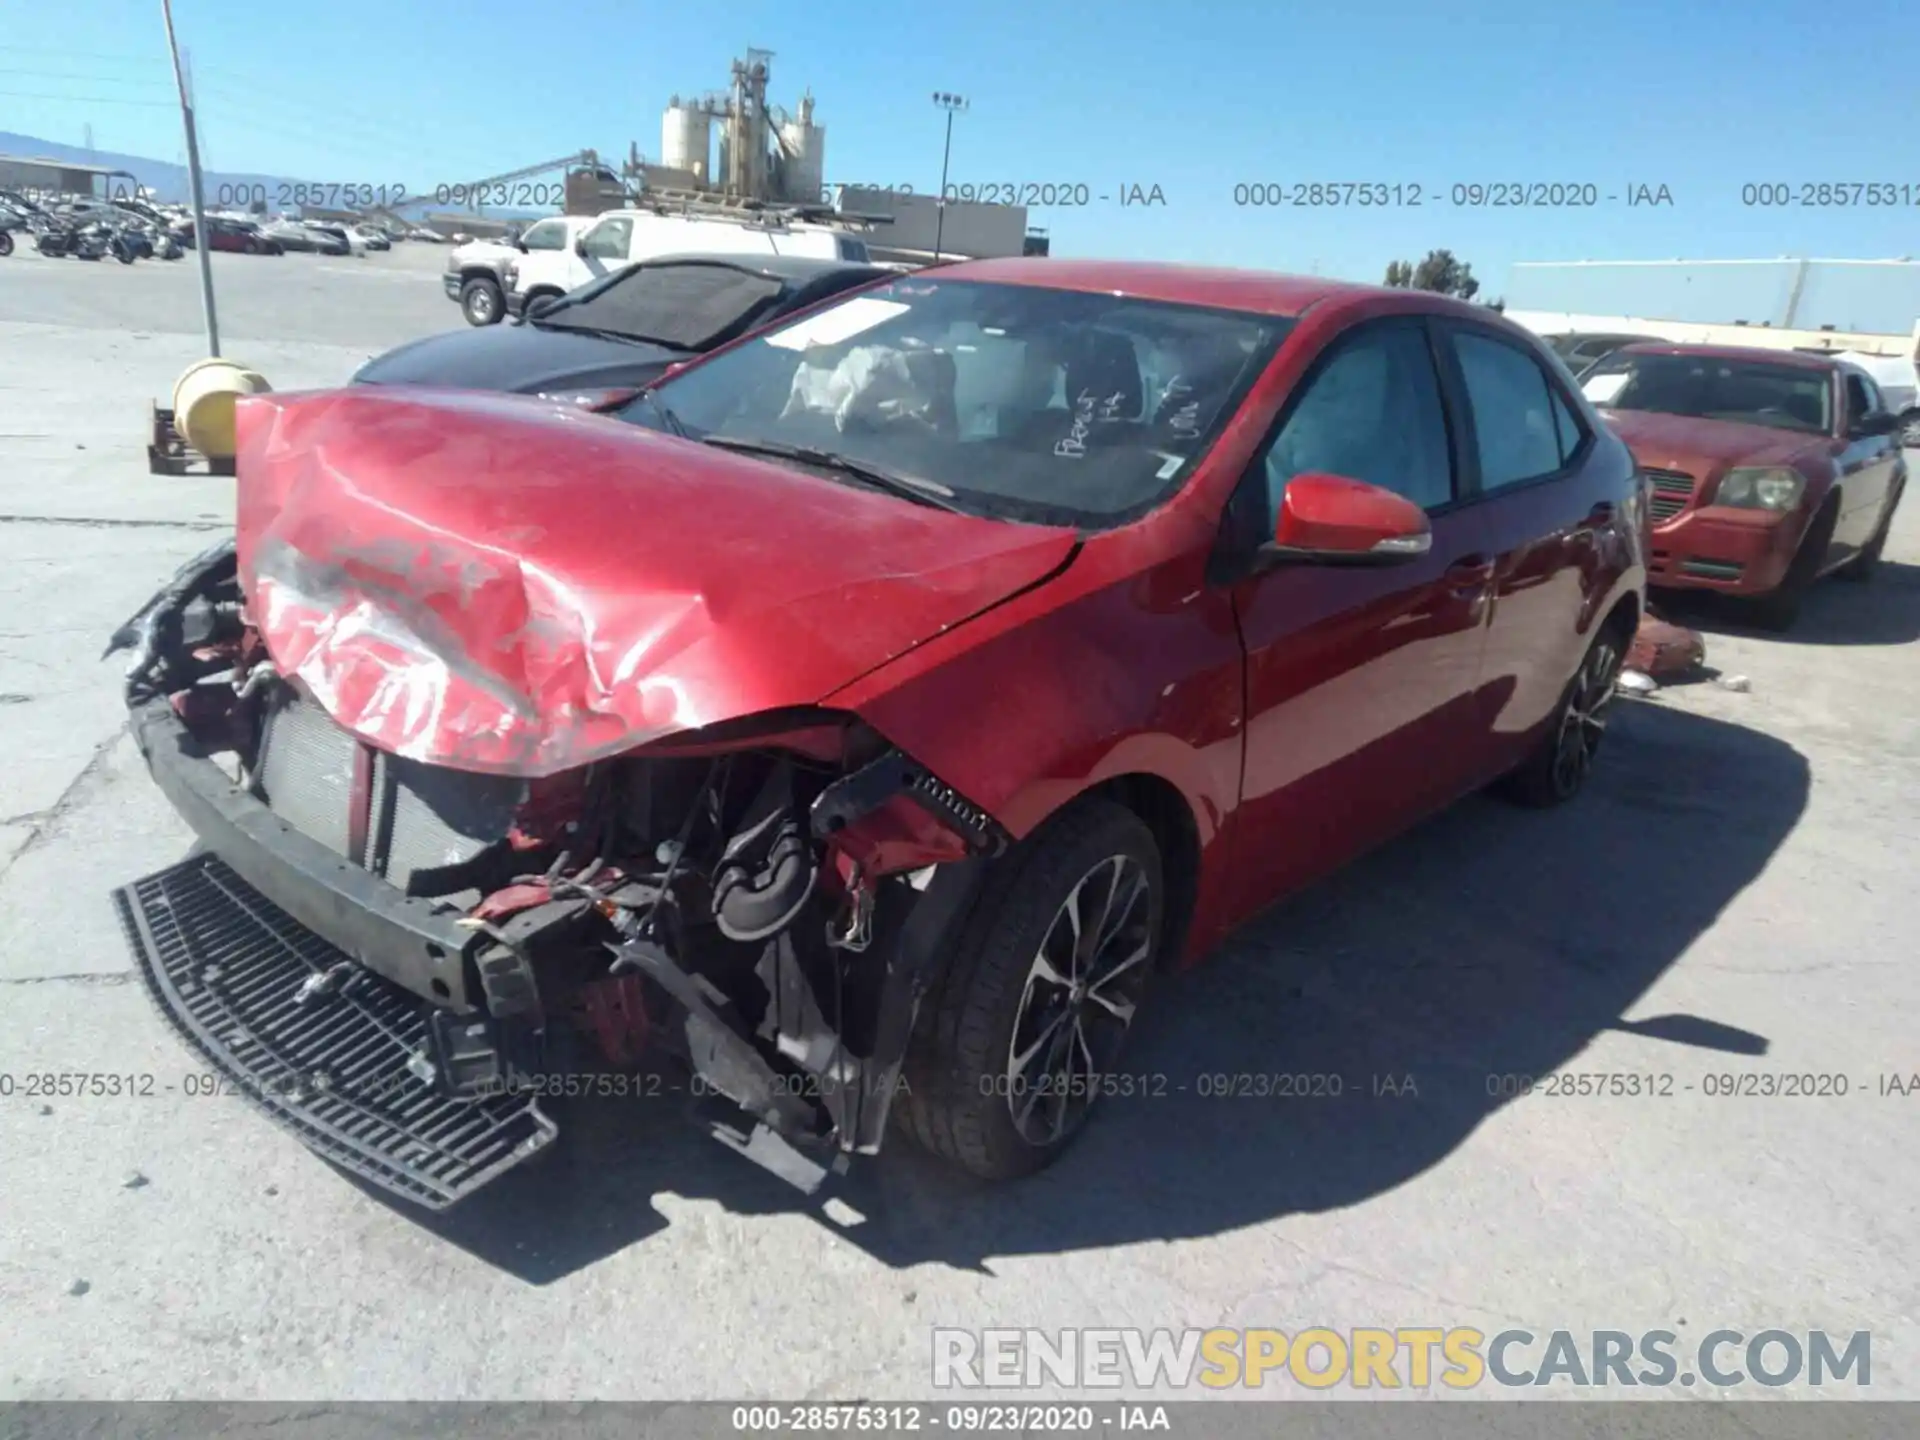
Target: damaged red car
[{"x": 850, "y": 727}]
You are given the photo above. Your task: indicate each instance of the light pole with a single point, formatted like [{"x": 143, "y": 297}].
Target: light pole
[
  {"x": 194, "y": 187},
  {"x": 953, "y": 105}
]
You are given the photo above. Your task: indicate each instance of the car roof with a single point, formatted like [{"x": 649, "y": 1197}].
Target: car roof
[
  {"x": 795, "y": 268},
  {"x": 1733, "y": 352},
  {"x": 1263, "y": 292}
]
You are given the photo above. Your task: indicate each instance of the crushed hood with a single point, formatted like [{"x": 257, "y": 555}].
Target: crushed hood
[
  {"x": 1698, "y": 447},
  {"x": 514, "y": 586}
]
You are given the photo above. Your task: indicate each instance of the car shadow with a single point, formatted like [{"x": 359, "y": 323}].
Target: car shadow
[
  {"x": 1884, "y": 611},
  {"x": 1490, "y": 942}
]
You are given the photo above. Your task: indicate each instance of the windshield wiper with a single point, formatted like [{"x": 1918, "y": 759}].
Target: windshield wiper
[
  {"x": 675, "y": 425},
  {"x": 924, "y": 492}
]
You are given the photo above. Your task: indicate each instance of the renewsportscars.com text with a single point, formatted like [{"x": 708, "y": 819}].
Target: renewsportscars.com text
[{"x": 1459, "y": 1357}]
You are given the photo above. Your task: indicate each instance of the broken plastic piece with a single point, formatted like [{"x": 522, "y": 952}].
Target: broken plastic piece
[
  {"x": 1662, "y": 649},
  {"x": 1739, "y": 684},
  {"x": 1637, "y": 682}
]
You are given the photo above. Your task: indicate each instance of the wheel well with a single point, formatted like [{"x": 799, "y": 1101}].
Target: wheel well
[
  {"x": 479, "y": 272},
  {"x": 540, "y": 292},
  {"x": 1624, "y": 618},
  {"x": 1170, "y": 818}
]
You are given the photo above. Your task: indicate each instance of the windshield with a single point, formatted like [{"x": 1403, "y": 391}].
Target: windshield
[
  {"x": 1712, "y": 387},
  {"x": 685, "y": 306},
  {"x": 1022, "y": 402}
]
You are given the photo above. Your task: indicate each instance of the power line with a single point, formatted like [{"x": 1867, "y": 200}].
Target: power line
[{"x": 86, "y": 99}]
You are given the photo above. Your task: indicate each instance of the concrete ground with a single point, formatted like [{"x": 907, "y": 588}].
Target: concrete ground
[{"x": 1734, "y": 894}]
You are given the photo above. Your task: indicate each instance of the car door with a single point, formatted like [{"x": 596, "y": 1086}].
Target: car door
[
  {"x": 1543, "y": 512},
  {"x": 1865, "y": 465},
  {"x": 1360, "y": 714}
]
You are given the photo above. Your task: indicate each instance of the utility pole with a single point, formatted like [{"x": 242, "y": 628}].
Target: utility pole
[
  {"x": 194, "y": 185},
  {"x": 953, "y": 105}
]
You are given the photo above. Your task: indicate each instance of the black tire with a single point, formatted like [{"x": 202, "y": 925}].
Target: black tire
[
  {"x": 252, "y": 247},
  {"x": 481, "y": 301},
  {"x": 961, "y": 1063},
  {"x": 1558, "y": 768},
  {"x": 1910, "y": 429},
  {"x": 1780, "y": 608},
  {"x": 1861, "y": 567},
  {"x": 124, "y": 254},
  {"x": 6, "y": 243}
]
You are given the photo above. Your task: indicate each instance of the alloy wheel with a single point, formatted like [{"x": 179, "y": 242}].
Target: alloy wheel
[
  {"x": 1081, "y": 991},
  {"x": 1583, "y": 724}
]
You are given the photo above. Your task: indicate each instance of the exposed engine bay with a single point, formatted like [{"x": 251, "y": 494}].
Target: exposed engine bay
[{"x": 758, "y": 904}]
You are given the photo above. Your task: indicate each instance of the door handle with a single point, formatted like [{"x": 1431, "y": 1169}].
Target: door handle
[
  {"x": 1470, "y": 567},
  {"x": 1600, "y": 514}
]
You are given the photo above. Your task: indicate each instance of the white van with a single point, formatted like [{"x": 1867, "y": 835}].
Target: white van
[{"x": 623, "y": 237}]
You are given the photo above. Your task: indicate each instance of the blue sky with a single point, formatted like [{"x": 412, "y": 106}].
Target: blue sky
[{"x": 1195, "y": 98}]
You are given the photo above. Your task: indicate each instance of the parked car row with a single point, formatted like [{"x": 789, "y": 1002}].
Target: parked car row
[{"x": 862, "y": 713}]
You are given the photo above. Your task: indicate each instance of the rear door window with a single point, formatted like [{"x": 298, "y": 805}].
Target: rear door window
[
  {"x": 1518, "y": 434},
  {"x": 608, "y": 240}
]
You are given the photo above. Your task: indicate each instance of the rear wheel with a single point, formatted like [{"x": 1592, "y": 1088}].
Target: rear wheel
[
  {"x": 1563, "y": 759},
  {"x": 1015, "y": 1041},
  {"x": 1910, "y": 429},
  {"x": 1861, "y": 567},
  {"x": 481, "y": 301},
  {"x": 6, "y": 243},
  {"x": 1780, "y": 608}
]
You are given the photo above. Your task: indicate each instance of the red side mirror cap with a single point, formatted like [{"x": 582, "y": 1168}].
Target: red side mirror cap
[{"x": 1334, "y": 518}]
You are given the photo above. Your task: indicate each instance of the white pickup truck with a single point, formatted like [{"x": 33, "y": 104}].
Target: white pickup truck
[
  {"x": 475, "y": 273},
  {"x": 619, "y": 238}
]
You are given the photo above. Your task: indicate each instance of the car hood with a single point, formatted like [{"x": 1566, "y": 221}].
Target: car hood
[
  {"x": 515, "y": 586},
  {"x": 517, "y": 357},
  {"x": 1697, "y": 447}
]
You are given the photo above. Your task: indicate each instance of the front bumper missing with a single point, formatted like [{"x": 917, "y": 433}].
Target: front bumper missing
[
  {"x": 407, "y": 940},
  {"x": 339, "y": 1067}
]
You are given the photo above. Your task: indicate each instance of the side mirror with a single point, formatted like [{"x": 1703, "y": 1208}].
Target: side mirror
[
  {"x": 520, "y": 245},
  {"x": 1880, "y": 422},
  {"x": 580, "y": 247},
  {"x": 1332, "y": 520}
]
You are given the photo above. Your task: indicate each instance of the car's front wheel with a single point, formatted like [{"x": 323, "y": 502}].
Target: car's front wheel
[
  {"x": 1019, "y": 1038},
  {"x": 481, "y": 301}
]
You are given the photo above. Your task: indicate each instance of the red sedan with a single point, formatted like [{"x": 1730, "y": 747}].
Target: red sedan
[
  {"x": 858, "y": 719},
  {"x": 1766, "y": 468}
]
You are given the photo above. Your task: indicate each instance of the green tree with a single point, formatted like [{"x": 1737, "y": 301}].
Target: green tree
[{"x": 1440, "y": 272}]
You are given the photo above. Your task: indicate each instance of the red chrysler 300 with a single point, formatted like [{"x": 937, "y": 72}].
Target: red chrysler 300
[
  {"x": 859, "y": 718},
  {"x": 1766, "y": 469}
]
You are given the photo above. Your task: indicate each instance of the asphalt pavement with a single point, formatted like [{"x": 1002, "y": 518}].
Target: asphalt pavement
[{"x": 1734, "y": 895}]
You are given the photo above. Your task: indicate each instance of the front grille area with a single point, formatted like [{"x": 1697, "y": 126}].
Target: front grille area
[
  {"x": 1670, "y": 492},
  {"x": 419, "y": 817},
  {"x": 227, "y": 968}
]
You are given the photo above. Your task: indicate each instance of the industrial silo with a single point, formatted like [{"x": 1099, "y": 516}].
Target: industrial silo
[
  {"x": 685, "y": 138},
  {"x": 803, "y": 155}
]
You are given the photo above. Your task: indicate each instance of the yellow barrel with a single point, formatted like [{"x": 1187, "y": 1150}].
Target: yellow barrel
[{"x": 203, "y": 400}]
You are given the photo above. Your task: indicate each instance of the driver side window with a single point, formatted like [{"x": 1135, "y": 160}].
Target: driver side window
[
  {"x": 547, "y": 235},
  {"x": 1371, "y": 412}
]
